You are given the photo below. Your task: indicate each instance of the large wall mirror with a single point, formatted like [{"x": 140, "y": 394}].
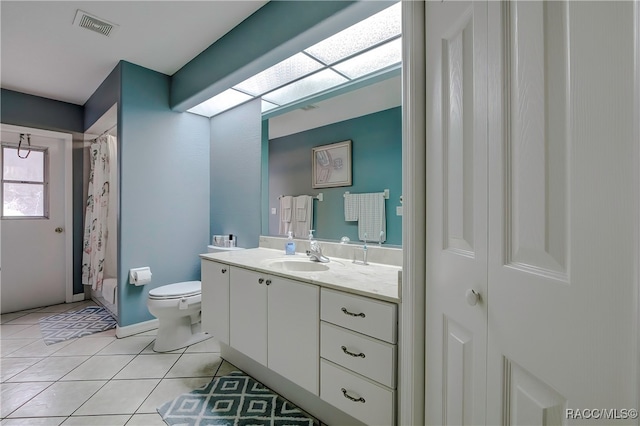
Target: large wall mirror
[{"x": 371, "y": 118}]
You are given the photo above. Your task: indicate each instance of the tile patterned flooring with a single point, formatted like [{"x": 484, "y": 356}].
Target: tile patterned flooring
[{"x": 96, "y": 379}]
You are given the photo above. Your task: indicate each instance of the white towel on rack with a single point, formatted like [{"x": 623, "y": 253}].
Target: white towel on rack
[
  {"x": 303, "y": 215},
  {"x": 301, "y": 208},
  {"x": 286, "y": 205},
  {"x": 351, "y": 207},
  {"x": 371, "y": 217}
]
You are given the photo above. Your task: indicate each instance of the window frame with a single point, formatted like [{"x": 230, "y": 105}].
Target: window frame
[{"x": 44, "y": 183}]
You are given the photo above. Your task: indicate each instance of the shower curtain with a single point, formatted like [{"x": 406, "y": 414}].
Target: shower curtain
[{"x": 96, "y": 232}]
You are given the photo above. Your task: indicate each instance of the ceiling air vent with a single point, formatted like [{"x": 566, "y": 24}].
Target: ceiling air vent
[{"x": 93, "y": 23}]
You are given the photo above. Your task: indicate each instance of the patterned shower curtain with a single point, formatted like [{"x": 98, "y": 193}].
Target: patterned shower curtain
[{"x": 95, "y": 224}]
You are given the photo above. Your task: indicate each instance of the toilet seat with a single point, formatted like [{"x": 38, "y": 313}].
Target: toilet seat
[{"x": 176, "y": 291}]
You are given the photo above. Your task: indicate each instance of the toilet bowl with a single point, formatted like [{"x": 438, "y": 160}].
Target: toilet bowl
[{"x": 177, "y": 307}]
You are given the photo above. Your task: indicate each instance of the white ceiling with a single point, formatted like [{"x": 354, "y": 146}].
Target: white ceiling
[{"x": 44, "y": 54}]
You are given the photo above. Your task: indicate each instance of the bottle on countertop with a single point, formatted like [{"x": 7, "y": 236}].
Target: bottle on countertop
[{"x": 290, "y": 245}]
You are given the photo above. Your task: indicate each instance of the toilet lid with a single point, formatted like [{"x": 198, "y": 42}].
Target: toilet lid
[{"x": 177, "y": 290}]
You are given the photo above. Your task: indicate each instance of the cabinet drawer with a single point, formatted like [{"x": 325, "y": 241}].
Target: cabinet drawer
[
  {"x": 372, "y": 317},
  {"x": 370, "y": 357},
  {"x": 363, "y": 399}
]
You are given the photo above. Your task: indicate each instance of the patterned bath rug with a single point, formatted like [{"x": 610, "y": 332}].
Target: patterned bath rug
[
  {"x": 233, "y": 400},
  {"x": 70, "y": 325}
]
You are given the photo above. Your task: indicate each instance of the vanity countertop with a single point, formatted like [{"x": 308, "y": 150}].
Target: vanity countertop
[{"x": 373, "y": 280}]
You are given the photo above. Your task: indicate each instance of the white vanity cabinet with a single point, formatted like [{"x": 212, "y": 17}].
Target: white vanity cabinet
[
  {"x": 215, "y": 297},
  {"x": 358, "y": 349},
  {"x": 340, "y": 346},
  {"x": 275, "y": 321}
]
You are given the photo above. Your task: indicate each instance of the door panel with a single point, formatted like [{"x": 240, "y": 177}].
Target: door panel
[
  {"x": 248, "y": 313},
  {"x": 536, "y": 146},
  {"x": 456, "y": 212},
  {"x": 562, "y": 211},
  {"x": 34, "y": 250}
]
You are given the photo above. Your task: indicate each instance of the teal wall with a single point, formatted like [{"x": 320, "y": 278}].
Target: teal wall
[
  {"x": 236, "y": 153},
  {"x": 377, "y": 165},
  {"x": 105, "y": 96},
  {"x": 164, "y": 189},
  {"x": 21, "y": 109}
]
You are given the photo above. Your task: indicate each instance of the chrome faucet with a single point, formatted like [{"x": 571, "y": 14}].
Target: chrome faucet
[{"x": 315, "y": 251}]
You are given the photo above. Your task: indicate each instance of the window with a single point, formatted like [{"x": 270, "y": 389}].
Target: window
[{"x": 24, "y": 183}]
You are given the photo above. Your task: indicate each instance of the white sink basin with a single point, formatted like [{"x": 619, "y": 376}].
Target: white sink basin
[{"x": 297, "y": 265}]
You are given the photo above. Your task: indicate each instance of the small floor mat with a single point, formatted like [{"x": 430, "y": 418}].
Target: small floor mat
[
  {"x": 70, "y": 325},
  {"x": 234, "y": 399}
]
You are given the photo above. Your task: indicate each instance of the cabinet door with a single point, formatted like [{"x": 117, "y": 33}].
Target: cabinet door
[
  {"x": 215, "y": 299},
  {"x": 248, "y": 302},
  {"x": 294, "y": 321}
]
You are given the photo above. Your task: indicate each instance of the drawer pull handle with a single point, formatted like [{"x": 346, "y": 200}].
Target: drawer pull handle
[
  {"x": 260, "y": 280},
  {"x": 350, "y": 398},
  {"x": 224, "y": 271},
  {"x": 344, "y": 349},
  {"x": 361, "y": 314}
]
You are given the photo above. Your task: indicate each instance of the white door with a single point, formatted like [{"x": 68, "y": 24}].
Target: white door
[
  {"x": 456, "y": 212},
  {"x": 554, "y": 261},
  {"x": 36, "y": 229},
  {"x": 562, "y": 213}
]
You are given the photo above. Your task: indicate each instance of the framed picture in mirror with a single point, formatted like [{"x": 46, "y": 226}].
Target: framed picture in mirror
[{"x": 331, "y": 165}]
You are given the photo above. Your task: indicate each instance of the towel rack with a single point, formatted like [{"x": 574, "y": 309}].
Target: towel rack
[
  {"x": 318, "y": 197},
  {"x": 386, "y": 194}
]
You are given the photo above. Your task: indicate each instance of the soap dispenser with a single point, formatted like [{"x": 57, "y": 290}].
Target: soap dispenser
[{"x": 290, "y": 246}]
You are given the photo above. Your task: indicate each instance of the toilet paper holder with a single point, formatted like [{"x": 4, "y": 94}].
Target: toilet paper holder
[{"x": 140, "y": 276}]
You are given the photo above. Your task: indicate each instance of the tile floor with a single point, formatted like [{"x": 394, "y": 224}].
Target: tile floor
[{"x": 94, "y": 380}]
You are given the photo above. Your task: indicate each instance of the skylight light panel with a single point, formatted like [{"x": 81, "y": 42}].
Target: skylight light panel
[
  {"x": 307, "y": 86},
  {"x": 219, "y": 103},
  {"x": 267, "y": 106},
  {"x": 373, "y": 60},
  {"x": 373, "y": 30},
  {"x": 280, "y": 74}
]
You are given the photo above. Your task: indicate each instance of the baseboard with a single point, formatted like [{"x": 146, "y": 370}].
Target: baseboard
[
  {"x": 141, "y": 327},
  {"x": 77, "y": 297}
]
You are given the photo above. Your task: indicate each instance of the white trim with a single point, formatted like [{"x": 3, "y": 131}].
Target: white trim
[
  {"x": 636, "y": 71},
  {"x": 79, "y": 297},
  {"x": 67, "y": 139},
  {"x": 411, "y": 386},
  {"x": 140, "y": 327}
]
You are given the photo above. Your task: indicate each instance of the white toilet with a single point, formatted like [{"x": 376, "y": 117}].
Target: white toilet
[{"x": 177, "y": 307}]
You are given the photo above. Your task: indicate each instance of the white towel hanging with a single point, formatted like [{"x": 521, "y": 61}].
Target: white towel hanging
[
  {"x": 371, "y": 217},
  {"x": 286, "y": 204},
  {"x": 303, "y": 215},
  {"x": 351, "y": 206}
]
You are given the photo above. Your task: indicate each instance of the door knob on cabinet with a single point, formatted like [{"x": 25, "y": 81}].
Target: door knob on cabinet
[
  {"x": 59, "y": 230},
  {"x": 224, "y": 271},
  {"x": 260, "y": 280},
  {"x": 472, "y": 297}
]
